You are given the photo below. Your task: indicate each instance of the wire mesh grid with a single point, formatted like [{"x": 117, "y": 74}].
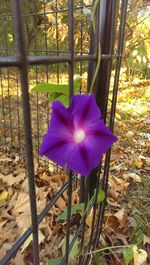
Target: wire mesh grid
[{"x": 58, "y": 44}]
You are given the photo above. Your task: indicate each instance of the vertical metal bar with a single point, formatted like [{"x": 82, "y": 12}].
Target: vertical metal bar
[
  {"x": 9, "y": 104},
  {"x": 57, "y": 45},
  {"x": 71, "y": 46},
  {"x": 8, "y": 83},
  {"x": 71, "y": 90},
  {"x": 87, "y": 189},
  {"x": 57, "y": 41},
  {"x": 18, "y": 115},
  {"x": 82, "y": 180},
  {"x": 103, "y": 79},
  {"x": 3, "y": 110},
  {"x": 20, "y": 46},
  {"x": 36, "y": 77},
  {"x": 113, "y": 107},
  {"x": 46, "y": 66},
  {"x": 81, "y": 40},
  {"x": 119, "y": 60},
  {"x": 107, "y": 44},
  {"x": 93, "y": 217},
  {"x": 92, "y": 180}
]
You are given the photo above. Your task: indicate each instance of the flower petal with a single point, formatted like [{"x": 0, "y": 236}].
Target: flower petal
[
  {"x": 84, "y": 110},
  {"x": 61, "y": 118},
  {"x": 56, "y": 142},
  {"x": 88, "y": 154},
  {"x": 78, "y": 160},
  {"x": 82, "y": 159},
  {"x": 56, "y": 147},
  {"x": 100, "y": 137}
]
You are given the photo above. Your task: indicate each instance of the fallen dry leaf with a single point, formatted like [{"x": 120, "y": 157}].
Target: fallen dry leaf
[
  {"x": 75, "y": 197},
  {"x": 146, "y": 240},
  {"x": 56, "y": 229},
  {"x": 21, "y": 209},
  {"x": 114, "y": 194},
  {"x": 147, "y": 160},
  {"x": 121, "y": 214},
  {"x": 138, "y": 163},
  {"x": 8, "y": 234},
  {"x": 2, "y": 252},
  {"x": 45, "y": 177},
  {"x": 22, "y": 204},
  {"x": 3, "y": 195},
  {"x": 88, "y": 222},
  {"x": 29, "y": 239},
  {"x": 122, "y": 237},
  {"x": 89, "y": 219},
  {"x": 2, "y": 223},
  {"x": 11, "y": 179},
  {"x": 25, "y": 185},
  {"x": 19, "y": 259},
  {"x": 23, "y": 220},
  {"x": 111, "y": 222},
  {"x": 134, "y": 177},
  {"x": 140, "y": 256},
  {"x": 114, "y": 203},
  {"x": 61, "y": 203},
  {"x": 118, "y": 184}
]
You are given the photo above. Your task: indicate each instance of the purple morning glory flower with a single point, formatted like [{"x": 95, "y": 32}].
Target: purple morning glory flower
[{"x": 77, "y": 137}]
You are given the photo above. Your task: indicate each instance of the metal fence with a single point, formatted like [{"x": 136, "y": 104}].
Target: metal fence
[{"x": 24, "y": 63}]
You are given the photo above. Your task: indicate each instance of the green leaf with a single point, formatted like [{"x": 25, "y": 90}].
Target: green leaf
[
  {"x": 58, "y": 91},
  {"x": 74, "y": 209},
  {"x": 55, "y": 261},
  {"x": 92, "y": 199},
  {"x": 101, "y": 196},
  {"x": 51, "y": 88},
  {"x": 128, "y": 255},
  {"x": 57, "y": 88},
  {"x": 59, "y": 96},
  {"x": 74, "y": 251},
  {"x": 138, "y": 235},
  {"x": 77, "y": 84}
]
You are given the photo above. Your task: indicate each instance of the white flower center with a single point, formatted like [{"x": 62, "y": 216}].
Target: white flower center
[{"x": 79, "y": 135}]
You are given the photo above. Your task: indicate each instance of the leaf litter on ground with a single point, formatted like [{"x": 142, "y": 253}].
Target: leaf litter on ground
[{"x": 126, "y": 218}]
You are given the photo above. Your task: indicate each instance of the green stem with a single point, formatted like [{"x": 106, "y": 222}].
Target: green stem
[
  {"x": 97, "y": 68},
  {"x": 99, "y": 46},
  {"x": 107, "y": 248},
  {"x": 94, "y": 14}
]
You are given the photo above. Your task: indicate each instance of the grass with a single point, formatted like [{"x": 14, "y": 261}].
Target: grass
[{"x": 138, "y": 194}]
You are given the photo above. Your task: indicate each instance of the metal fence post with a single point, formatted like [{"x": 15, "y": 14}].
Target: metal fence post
[
  {"x": 21, "y": 52},
  {"x": 106, "y": 28},
  {"x": 106, "y": 33}
]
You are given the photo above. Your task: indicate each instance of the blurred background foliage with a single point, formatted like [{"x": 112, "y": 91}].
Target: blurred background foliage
[
  {"x": 47, "y": 33},
  {"x": 136, "y": 61}
]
